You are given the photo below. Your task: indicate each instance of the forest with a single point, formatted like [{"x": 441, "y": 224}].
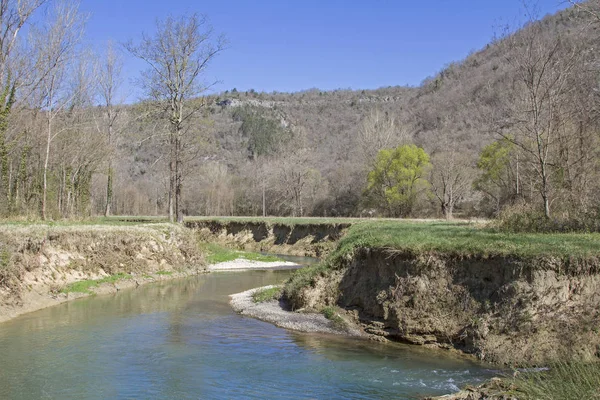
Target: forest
[{"x": 512, "y": 131}]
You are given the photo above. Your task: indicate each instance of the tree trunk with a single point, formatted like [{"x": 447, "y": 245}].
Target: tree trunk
[
  {"x": 171, "y": 179},
  {"x": 545, "y": 194},
  {"x": 109, "y": 189},
  {"x": 109, "y": 176},
  {"x": 178, "y": 180},
  {"x": 45, "y": 174},
  {"x": 264, "y": 201}
]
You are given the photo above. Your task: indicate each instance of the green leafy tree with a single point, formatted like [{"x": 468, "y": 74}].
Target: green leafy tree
[
  {"x": 499, "y": 179},
  {"x": 397, "y": 178}
]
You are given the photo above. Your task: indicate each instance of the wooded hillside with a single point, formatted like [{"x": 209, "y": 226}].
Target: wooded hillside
[{"x": 513, "y": 126}]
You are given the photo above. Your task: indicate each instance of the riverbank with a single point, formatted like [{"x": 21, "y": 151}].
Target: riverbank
[
  {"x": 303, "y": 237},
  {"x": 44, "y": 265},
  {"x": 509, "y": 299},
  {"x": 40, "y": 297}
]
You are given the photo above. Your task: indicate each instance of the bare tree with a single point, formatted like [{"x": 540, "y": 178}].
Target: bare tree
[
  {"x": 590, "y": 7},
  {"x": 379, "y": 131},
  {"x": 109, "y": 83},
  {"x": 14, "y": 14},
  {"x": 451, "y": 179},
  {"x": 177, "y": 55},
  {"x": 536, "y": 114},
  {"x": 57, "y": 44}
]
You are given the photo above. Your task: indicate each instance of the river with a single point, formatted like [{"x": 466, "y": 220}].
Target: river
[{"x": 181, "y": 340}]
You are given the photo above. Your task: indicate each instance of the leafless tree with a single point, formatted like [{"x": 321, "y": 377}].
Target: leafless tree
[
  {"x": 109, "y": 83},
  {"x": 14, "y": 14},
  {"x": 177, "y": 55},
  {"x": 57, "y": 44},
  {"x": 451, "y": 179},
  {"x": 536, "y": 114},
  {"x": 590, "y": 7},
  {"x": 379, "y": 131}
]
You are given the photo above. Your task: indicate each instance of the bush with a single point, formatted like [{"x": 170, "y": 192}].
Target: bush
[
  {"x": 527, "y": 219},
  {"x": 330, "y": 313},
  {"x": 267, "y": 294}
]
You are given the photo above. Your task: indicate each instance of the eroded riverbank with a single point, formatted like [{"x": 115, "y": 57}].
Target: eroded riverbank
[{"x": 45, "y": 265}]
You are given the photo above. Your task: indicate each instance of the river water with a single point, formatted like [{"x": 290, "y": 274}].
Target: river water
[{"x": 181, "y": 340}]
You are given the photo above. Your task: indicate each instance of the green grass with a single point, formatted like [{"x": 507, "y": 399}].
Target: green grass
[
  {"x": 456, "y": 239},
  {"x": 465, "y": 239},
  {"x": 216, "y": 254},
  {"x": 331, "y": 314},
  {"x": 575, "y": 381},
  {"x": 262, "y": 295},
  {"x": 288, "y": 221},
  {"x": 85, "y": 285},
  {"x": 328, "y": 312}
]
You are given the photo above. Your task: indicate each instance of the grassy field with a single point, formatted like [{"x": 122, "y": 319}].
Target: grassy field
[
  {"x": 458, "y": 239},
  {"x": 116, "y": 221},
  {"x": 466, "y": 239},
  {"x": 289, "y": 221}
]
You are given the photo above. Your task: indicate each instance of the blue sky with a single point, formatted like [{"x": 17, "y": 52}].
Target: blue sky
[{"x": 292, "y": 45}]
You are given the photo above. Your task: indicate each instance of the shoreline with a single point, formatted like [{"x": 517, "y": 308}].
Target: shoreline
[
  {"x": 276, "y": 313},
  {"x": 41, "y": 297},
  {"x": 242, "y": 264}
]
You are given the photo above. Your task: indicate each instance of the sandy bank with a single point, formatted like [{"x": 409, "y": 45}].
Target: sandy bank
[
  {"x": 241, "y": 264},
  {"x": 275, "y": 312}
]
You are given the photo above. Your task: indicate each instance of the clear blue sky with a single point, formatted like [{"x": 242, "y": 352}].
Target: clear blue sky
[{"x": 292, "y": 45}]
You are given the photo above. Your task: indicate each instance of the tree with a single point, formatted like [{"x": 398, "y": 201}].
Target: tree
[
  {"x": 397, "y": 178},
  {"x": 451, "y": 179},
  {"x": 14, "y": 14},
  {"x": 109, "y": 82},
  {"x": 379, "y": 131},
  {"x": 177, "y": 55},
  {"x": 590, "y": 7},
  {"x": 265, "y": 136},
  {"x": 499, "y": 176},
  {"x": 57, "y": 45},
  {"x": 536, "y": 113}
]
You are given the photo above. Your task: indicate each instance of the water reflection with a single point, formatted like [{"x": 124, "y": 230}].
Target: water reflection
[{"x": 181, "y": 340}]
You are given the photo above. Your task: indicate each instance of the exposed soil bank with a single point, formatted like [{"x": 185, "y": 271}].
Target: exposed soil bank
[
  {"x": 39, "y": 262},
  {"x": 308, "y": 240},
  {"x": 506, "y": 311},
  {"x": 279, "y": 314}
]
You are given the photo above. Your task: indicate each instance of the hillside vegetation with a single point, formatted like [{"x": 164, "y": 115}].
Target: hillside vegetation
[{"x": 513, "y": 128}]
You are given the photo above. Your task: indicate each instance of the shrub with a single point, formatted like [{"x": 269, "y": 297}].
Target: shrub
[
  {"x": 262, "y": 295},
  {"x": 528, "y": 219}
]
